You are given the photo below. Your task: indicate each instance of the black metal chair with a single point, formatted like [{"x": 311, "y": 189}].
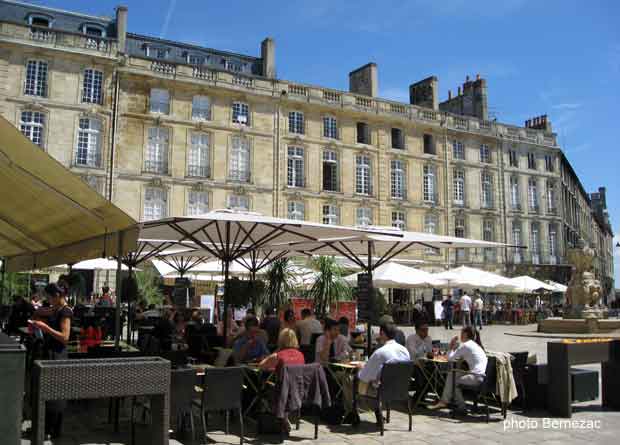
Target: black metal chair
[
  {"x": 393, "y": 387},
  {"x": 182, "y": 382},
  {"x": 222, "y": 389},
  {"x": 483, "y": 391},
  {"x": 518, "y": 372}
]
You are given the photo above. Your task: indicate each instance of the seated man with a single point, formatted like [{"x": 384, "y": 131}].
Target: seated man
[
  {"x": 332, "y": 345},
  {"x": 420, "y": 344},
  {"x": 475, "y": 357},
  {"x": 307, "y": 326},
  {"x": 390, "y": 352},
  {"x": 250, "y": 346}
]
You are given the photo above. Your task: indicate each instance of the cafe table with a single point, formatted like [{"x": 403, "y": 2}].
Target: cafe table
[
  {"x": 350, "y": 370},
  {"x": 434, "y": 371}
]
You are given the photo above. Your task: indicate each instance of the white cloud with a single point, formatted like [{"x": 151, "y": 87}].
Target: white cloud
[{"x": 566, "y": 106}]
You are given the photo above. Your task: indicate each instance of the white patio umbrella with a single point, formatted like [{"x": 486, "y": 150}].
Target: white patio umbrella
[
  {"x": 527, "y": 285},
  {"x": 363, "y": 248},
  {"x": 213, "y": 267},
  {"x": 229, "y": 235},
  {"x": 469, "y": 277},
  {"x": 558, "y": 287},
  {"x": 394, "y": 275},
  {"x": 97, "y": 264}
]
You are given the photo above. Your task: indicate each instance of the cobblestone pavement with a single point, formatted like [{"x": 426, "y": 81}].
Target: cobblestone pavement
[{"x": 85, "y": 424}]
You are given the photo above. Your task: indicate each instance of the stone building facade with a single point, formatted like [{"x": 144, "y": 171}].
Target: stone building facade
[{"x": 164, "y": 128}]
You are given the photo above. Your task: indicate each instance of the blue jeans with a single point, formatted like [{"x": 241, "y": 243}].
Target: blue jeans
[{"x": 478, "y": 319}]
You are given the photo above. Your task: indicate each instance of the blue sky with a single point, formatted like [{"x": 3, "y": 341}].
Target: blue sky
[{"x": 556, "y": 57}]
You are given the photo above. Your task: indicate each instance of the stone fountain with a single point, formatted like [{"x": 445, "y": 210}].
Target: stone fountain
[{"x": 583, "y": 313}]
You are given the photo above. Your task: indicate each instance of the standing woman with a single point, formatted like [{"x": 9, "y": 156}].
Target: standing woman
[{"x": 56, "y": 330}]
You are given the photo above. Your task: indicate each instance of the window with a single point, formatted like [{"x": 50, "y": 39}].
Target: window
[
  {"x": 296, "y": 122},
  {"x": 155, "y": 203},
  {"x": 399, "y": 220},
  {"x": 91, "y": 29},
  {"x": 363, "y": 216},
  {"x": 239, "y": 166},
  {"x": 296, "y": 210},
  {"x": 549, "y": 163},
  {"x": 458, "y": 150},
  {"x": 160, "y": 101},
  {"x": 458, "y": 185},
  {"x": 363, "y": 177},
  {"x": 398, "y": 179},
  {"x": 195, "y": 59},
  {"x": 39, "y": 20},
  {"x": 36, "y": 78},
  {"x": 531, "y": 161},
  {"x": 535, "y": 242},
  {"x": 238, "y": 202},
  {"x": 235, "y": 66},
  {"x": 201, "y": 108},
  {"x": 515, "y": 200},
  {"x": 488, "y": 234},
  {"x": 330, "y": 171},
  {"x": 330, "y": 127},
  {"x": 398, "y": 139},
  {"x": 516, "y": 241},
  {"x": 429, "y": 144},
  {"x": 92, "y": 87},
  {"x": 295, "y": 169},
  {"x": 486, "y": 200},
  {"x": 485, "y": 154},
  {"x": 553, "y": 244},
  {"x": 550, "y": 197},
  {"x": 363, "y": 133},
  {"x": 197, "y": 202},
  {"x": 157, "y": 52},
  {"x": 459, "y": 232},
  {"x": 532, "y": 194},
  {"x": 240, "y": 113},
  {"x": 157, "y": 150},
  {"x": 88, "y": 150},
  {"x": 513, "y": 158},
  {"x": 431, "y": 226},
  {"x": 331, "y": 214},
  {"x": 199, "y": 159},
  {"x": 32, "y": 125},
  {"x": 429, "y": 184}
]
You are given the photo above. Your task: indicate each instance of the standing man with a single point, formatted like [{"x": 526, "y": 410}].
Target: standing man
[
  {"x": 478, "y": 308},
  {"x": 448, "y": 307},
  {"x": 465, "y": 303},
  {"x": 307, "y": 326}
]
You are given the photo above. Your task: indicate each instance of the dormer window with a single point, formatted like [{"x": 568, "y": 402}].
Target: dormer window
[
  {"x": 92, "y": 29},
  {"x": 195, "y": 59},
  {"x": 40, "y": 20},
  {"x": 158, "y": 52},
  {"x": 235, "y": 66}
]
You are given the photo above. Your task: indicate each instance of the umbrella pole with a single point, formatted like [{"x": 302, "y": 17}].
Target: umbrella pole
[
  {"x": 2, "y": 281},
  {"x": 129, "y": 312},
  {"x": 117, "y": 314},
  {"x": 372, "y": 294},
  {"x": 226, "y": 264}
]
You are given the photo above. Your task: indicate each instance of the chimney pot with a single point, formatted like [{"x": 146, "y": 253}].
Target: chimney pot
[
  {"x": 449, "y": 94},
  {"x": 477, "y": 76},
  {"x": 467, "y": 78},
  {"x": 459, "y": 91}
]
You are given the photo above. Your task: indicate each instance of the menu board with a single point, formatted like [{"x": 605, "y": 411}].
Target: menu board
[
  {"x": 181, "y": 295},
  {"x": 364, "y": 296}
]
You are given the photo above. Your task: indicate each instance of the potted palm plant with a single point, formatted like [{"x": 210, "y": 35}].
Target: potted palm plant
[
  {"x": 280, "y": 279},
  {"x": 329, "y": 286}
]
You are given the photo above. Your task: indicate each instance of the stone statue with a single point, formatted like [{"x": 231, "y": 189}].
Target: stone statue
[{"x": 584, "y": 289}]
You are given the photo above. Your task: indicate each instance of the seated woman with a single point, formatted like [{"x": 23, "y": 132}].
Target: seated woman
[{"x": 287, "y": 353}]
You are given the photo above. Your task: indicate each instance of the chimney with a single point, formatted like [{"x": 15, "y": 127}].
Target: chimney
[
  {"x": 449, "y": 94},
  {"x": 477, "y": 76},
  {"x": 268, "y": 54},
  {"x": 365, "y": 80},
  {"x": 424, "y": 93},
  {"x": 121, "y": 28},
  {"x": 458, "y": 91},
  {"x": 466, "y": 78}
]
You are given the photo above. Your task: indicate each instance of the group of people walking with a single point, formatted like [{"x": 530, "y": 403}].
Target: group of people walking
[{"x": 470, "y": 311}]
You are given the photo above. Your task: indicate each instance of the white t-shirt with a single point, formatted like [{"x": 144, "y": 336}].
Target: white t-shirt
[
  {"x": 473, "y": 354},
  {"x": 390, "y": 352},
  {"x": 306, "y": 328},
  {"x": 465, "y": 303},
  {"x": 478, "y": 304},
  {"x": 418, "y": 346}
]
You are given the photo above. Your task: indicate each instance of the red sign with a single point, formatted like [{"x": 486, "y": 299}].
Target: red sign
[
  {"x": 345, "y": 309},
  {"x": 342, "y": 309}
]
